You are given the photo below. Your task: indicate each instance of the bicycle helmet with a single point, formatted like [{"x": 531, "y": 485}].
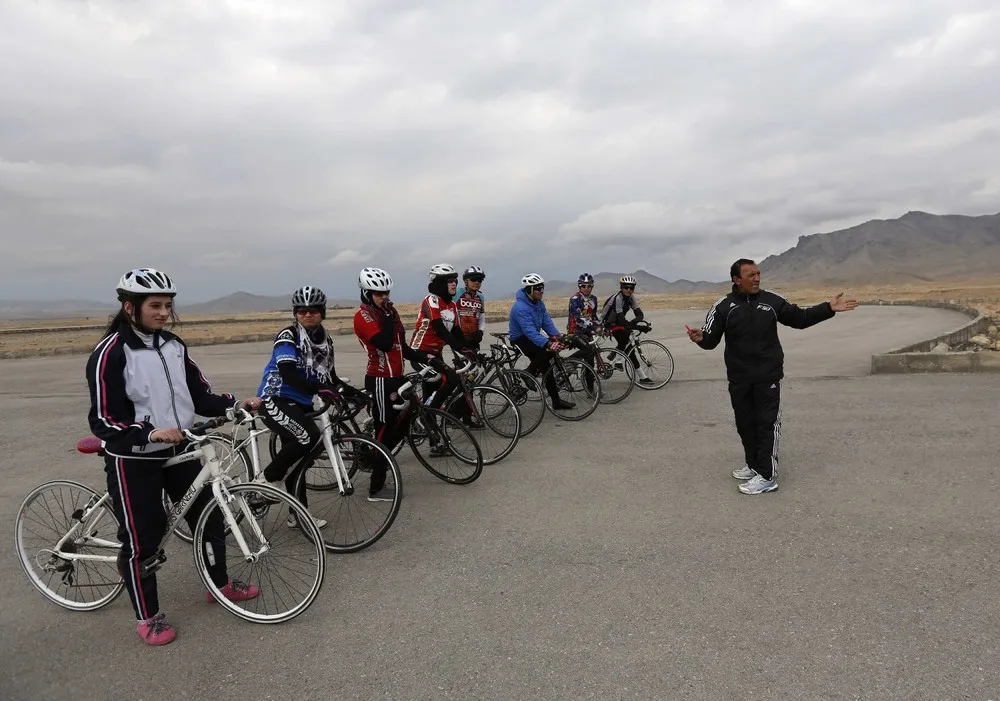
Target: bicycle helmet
[
  {"x": 309, "y": 296},
  {"x": 628, "y": 280},
  {"x": 145, "y": 281},
  {"x": 374, "y": 280},
  {"x": 474, "y": 273},
  {"x": 442, "y": 270},
  {"x": 585, "y": 279},
  {"x": 530, "y": 280}
]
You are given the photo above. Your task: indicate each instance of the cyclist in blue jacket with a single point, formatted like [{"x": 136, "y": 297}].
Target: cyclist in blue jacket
[{"x": 528, "y": 319}]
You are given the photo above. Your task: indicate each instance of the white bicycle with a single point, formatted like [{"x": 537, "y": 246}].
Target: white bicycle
[{"x": 67, "y": 539}]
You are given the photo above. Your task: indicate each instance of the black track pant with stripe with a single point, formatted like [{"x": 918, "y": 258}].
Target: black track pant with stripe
[
  {"x": 298, "y": 434},
  {"x": 136, "y": 488},
  {"x": 757, "y": 408},
  {"x": 390, "y": 426}
]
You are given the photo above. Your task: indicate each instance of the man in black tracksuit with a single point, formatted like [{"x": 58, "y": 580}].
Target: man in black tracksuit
[{"x": 749, "y": 317}]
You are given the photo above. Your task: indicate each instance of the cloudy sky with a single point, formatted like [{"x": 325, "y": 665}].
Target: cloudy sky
[{"x": 257, "y": 145}]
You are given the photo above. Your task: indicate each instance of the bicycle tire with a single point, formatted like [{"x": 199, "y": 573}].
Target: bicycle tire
[
  {"x": 305, "y": 525},
  {"x": 526, "y": 391},
  {"x": 609, "y": 364},
  {"x": 579, "y": 366},
  {"x": 335, "y": 516},
  {"x": 476, "y": 460},
  {"x": 649, "y": 342},
  {"x": 507, "y": 439},
  {"x": 28, "y": 555},
  {"x": 181, "y": 529}
]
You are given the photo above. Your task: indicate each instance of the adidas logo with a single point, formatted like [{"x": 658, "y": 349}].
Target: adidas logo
[{"x": 774, "y": 386}]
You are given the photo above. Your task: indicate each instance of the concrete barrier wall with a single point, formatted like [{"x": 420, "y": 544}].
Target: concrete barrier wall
[{"x": 917, "y": 357}]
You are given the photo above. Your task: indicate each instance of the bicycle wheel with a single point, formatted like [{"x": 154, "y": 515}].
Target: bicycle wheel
[
  {"x": 491, "y": 416},
  {"x": 452, "y": 454},
  {"x": 658, "y": 363},
  {"x": 578, "y": 384},
  {"x": 353, "y": 522},
  {"x": 280, "y": 558},
  {"x": 46, "y": 516},
  {"x": 236, "y": 463},
  {"x": 526, "y": 391},
  {"x": 617, "y": 376}
]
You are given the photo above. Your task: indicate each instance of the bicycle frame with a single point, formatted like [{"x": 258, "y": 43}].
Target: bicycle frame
[{"x": 211, "y": 472}]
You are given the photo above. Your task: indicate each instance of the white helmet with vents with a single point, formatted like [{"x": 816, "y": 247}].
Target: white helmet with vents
[
  {"x": 146, "y": 281},
  {"x": 442, "y": 270},
  {"x": 532, "y": 279},
  {"x": 627, "y": 280},
  {"x": 374, "y": 280}
]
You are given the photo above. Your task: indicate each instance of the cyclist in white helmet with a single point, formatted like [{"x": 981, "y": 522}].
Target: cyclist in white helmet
[
  {"x": 531, "y": 329},
  {"x": 380, "y": 332},
  {"x": 144, "y": 391},
  {"x": 437, "y": 327},
  {"x": 613, "y": 318}
]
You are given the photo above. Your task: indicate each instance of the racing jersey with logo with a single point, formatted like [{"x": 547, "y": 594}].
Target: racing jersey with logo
[
  {"x": 471, "y": 313},
  {"x": 582, "y": 312},
  {"x": 380, "y": 363},
  {"x": 424, "y": 336}
]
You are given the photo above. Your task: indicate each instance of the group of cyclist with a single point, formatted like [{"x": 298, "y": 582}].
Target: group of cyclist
[{"x": 142, "y": 380}]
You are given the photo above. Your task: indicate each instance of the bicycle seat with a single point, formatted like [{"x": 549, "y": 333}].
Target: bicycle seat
[
  {"x": 89, "y": 445},
  {"x": 499, "y": 334}
]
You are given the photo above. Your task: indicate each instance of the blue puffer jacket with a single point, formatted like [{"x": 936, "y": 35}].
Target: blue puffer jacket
[{"x": 527, "y": 317}]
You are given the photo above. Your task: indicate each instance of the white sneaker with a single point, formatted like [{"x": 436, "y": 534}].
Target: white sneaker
[
  {"x": 758, "y": 485},
  {"x": 744, "y": 473},
  {"x": 293, "y": 522}
]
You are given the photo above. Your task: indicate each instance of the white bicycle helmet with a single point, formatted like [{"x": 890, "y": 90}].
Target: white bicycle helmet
[
  {"x": 146, "y": 281},
  {"x": 442, "y": 270},
  {"x": 532, "y": 279},
  {"x": 628, "y": 280},
  {"x": 474, "y": 271},
  {"x": 308, "y": 296},
  {"x": 374, "y": 280}
]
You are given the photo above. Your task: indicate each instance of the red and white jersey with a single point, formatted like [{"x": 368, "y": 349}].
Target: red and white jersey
[
  {"x": 380, "y": 363},
  {"x": 424, "y": 337}
]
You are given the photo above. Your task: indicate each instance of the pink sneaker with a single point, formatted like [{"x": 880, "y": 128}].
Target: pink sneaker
[
  {"x": 235, "y": 591},
  {"x": 156, "y": 631}
]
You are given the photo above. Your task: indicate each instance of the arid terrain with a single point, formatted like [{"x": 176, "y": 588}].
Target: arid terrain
[{"x": 70, "y": 335}]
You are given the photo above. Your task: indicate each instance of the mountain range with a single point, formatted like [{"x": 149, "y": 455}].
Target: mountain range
[{"x": 916, "y": 247}]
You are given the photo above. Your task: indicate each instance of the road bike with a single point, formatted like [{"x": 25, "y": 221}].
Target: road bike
[{"x": 74, "y": 564}]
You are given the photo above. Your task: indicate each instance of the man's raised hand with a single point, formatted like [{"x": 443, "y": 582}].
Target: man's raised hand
[
  {"x": 839, "y": 304},
  {"x": 694, "y": 334}
]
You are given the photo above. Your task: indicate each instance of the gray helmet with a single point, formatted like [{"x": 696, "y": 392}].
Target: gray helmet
[
  {"x": 308, "y": 296},
  {"x": 585, "y": 279}
]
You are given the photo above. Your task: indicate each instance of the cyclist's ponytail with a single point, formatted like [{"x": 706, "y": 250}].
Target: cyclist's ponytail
[{"x": 115, "y": 322}]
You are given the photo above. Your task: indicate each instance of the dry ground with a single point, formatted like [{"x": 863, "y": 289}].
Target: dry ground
[{"x": 82, "y": 334}]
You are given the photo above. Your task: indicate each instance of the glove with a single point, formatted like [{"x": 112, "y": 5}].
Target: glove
[
  {"x": 477, "y": 337},
  {"x": 435, "y": 362},
  {"x": 351, "y": 392},
  {"x": 329, "y": 395}
]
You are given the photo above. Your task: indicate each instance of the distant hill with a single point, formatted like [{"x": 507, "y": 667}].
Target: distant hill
[
  {"x": 607, "y": 283},
  {"x": 246, "y": 303},
  {"x": 54, "y": 309},
  {"x": 915, "y": 247}
]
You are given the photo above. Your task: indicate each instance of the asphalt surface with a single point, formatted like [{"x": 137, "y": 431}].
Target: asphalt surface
[{"x": 611, "y": 558}]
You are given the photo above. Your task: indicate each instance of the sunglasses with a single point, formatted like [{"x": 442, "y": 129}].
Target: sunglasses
[
  {"x": 308, "y": 310},
  {"x": 476, "y": 279},
  {"x": 538, "y": 288},
  {"x": 628, "y": 287},
  {"x": 586, "y": 287}
]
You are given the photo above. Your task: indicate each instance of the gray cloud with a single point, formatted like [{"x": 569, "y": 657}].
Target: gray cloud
[{"x": 258, "y": 143}]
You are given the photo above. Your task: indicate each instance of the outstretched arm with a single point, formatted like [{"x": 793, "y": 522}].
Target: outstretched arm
[
  {"x": 798, "y": 317},
  {"x": 709, "y": 335}
]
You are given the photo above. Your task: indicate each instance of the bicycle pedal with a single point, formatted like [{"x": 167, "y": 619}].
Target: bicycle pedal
[{"x": 151, "y": 565}]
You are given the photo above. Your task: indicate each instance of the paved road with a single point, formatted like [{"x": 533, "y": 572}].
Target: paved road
[{"x": 613, "y": 558}]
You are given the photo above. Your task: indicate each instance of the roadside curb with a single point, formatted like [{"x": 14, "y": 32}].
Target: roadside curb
[
  {"x": 215, "y": 341},
  {"x": 917, "y": 358}
]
